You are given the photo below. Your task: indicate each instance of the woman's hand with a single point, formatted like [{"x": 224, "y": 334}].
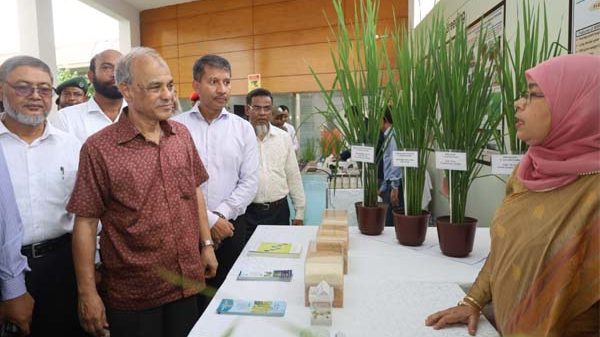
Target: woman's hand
[{"x": 458, "y": 314}]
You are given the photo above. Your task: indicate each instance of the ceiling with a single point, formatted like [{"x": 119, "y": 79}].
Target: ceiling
[{"x": 147, "y": 4}]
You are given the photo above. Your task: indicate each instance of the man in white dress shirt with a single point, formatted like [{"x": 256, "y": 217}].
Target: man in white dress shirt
[
  {"x": 227, "y": 146},
  {"x": 278, "y": 174},
  {"x": 281, "y": 120},
  {"x": 103, "y": 109},
  {"x": 42, "y": 163}
]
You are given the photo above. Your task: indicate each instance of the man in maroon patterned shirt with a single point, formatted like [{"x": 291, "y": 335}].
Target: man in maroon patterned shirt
[{"x": 141, "y": 178}]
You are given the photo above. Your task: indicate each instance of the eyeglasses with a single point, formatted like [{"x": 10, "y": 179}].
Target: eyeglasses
[
  {"x": 156, "y": 88},
  {"x": 529, "y": 95},
  {"x": 258, "y": 108},
  {"x": 25, "y": 90}
]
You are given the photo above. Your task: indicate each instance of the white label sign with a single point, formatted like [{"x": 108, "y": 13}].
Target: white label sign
[
  {"x": 455, "y": 161},
  {"x": 405, "y": 158},
  {"x": 365, "y": 154},
  {"x": 505, "y": 163}
]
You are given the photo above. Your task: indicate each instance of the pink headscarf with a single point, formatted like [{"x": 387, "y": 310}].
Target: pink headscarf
[{"x": 571, "y": 84}]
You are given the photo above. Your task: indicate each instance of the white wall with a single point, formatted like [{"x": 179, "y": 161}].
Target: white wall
[
  {"x": 129, "y": 21},
  {"x": 487, "y": 193}
]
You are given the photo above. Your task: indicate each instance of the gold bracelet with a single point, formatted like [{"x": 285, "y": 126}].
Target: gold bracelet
[
  {"x": 473, "y": 301},
  {"x": 470, "y": 305}
]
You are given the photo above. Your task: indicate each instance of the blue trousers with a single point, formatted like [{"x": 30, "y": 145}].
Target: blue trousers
[{"x": 386, "y": 189}]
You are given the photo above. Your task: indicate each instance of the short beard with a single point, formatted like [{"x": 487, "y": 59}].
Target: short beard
[
  {"x": 22, "y": 118},
  {"x": 108, "y": 91},
  {"x": 261, "y": 130}
]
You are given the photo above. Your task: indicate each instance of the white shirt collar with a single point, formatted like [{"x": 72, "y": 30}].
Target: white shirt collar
[
  {"x": 93, "y": 107},
  {"x": 48, "y": 130},
  {"x": 196, "y": 111},
  {"x": 387, "y": 131}
]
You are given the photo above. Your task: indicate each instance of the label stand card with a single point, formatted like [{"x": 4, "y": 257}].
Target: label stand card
[
  {"x": 455, "y": 161},
  {"x": 363, "y": 153},
  {"x": 405, "y": 158},
  {"x": 505, "y": 163}
]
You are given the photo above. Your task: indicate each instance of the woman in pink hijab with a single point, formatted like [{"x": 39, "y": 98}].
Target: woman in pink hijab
[{"x": 542, "y": 276}]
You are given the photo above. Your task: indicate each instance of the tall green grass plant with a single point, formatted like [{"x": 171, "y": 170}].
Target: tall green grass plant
[
  {"x": 413, "y": 105},
  {"x": 359, "y": 58},
  {"x": 530, "y": 47},
  {"x": 466, "y": 121}
]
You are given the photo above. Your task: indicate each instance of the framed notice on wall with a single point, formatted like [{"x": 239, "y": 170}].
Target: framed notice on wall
[{"x": 584, "y": 27}]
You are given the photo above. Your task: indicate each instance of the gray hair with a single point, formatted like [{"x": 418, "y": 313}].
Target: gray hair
[
  {"x": 123, "y": 71},
  {"x": 23, "y": 61},
  {"x": 209, "y": 60}
]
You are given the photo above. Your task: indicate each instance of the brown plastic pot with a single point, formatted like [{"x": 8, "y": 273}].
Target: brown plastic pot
[
  {"x": 410, "y": 229},
  {"x": 370, "y": 219},
  {"x": 456, "y": 240}
]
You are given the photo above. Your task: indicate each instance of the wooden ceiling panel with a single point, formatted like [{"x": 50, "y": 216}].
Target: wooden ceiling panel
[
  {"x": 159, "y": 14},
  {"x": 293, "y": 60},
  {"x": 215, "y": 26},
  {"x": 290, "y": 38},
  {"x": 210, "y": 6},
  {"x": 159, "y": 33},
  {"x": 216, "y": 46},
  {"x": 292, "y": 15}
]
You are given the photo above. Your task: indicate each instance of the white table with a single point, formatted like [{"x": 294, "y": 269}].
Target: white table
[{"x": 388, "y": 291}]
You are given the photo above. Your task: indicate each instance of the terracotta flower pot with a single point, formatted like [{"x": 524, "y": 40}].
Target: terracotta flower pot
[
  {"x": 456, "y": 240},
  {"x": 370, "y": 219},
  {"x": 410, "y": 229}
]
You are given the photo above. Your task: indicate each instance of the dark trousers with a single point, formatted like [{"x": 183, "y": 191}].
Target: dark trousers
[
  {"x": 278, "y": 214},
  {"x": 175, "y": 319},
  {"x": 51, "y": 283},
  {"x": 227, "y": 252},
  {"x": 387, "y": 190}
]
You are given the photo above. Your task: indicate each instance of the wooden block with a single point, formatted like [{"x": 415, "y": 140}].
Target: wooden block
[
  {"x": 333, "y": 240},
  {"x": 324, "y": 266},
  {"x": 335, "y": 214},
  {"x": 339, "y": 227}
]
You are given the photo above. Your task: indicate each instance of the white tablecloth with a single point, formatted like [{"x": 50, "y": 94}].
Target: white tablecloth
[{"x": 388, "y": 291}]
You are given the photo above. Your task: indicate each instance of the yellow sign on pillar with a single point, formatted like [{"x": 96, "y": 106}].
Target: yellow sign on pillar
[{"x": 253, "y": 81}]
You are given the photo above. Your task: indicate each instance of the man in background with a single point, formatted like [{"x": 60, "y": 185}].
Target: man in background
[
  {"x": 71, "y": 92},
  {"x": 281, "y": 121},
  {"x": 102, "y": 109},
  {"x": 279, "y": 174},
  {"x": 42, "y": 163},
  {"x": 227, "y": 144},
  {"x": 390, "y": 189}
]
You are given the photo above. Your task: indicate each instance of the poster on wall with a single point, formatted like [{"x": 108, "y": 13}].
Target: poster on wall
[
  {"x": 493, "y": 22},
  {"x": 585, "y": 27},
  {"x": 253, "y": 82}
]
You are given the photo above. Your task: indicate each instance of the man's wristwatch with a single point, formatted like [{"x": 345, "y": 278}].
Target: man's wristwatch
[
  {"x": 206, "y": 243},
  {"x": 219, "y": 215}
]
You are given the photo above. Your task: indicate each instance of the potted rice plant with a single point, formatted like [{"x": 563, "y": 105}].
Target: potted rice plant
[
  {"x": 358, "y": 59},
  {"x": 413, "y": 108},
  {"x": 466, "y": 122}
]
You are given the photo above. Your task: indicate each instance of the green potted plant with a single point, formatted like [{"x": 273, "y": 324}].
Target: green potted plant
[
  {"x": 359, "y": 58},
  {"x": 413, "y": 108},
  {"x": 530, "y": 47},
  {"x": 465, "y": 123}
]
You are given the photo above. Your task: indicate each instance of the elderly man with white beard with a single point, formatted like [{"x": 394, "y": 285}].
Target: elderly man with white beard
[
  {"x": 42, "y": 163},
  {"x": 279, "y": 174}
]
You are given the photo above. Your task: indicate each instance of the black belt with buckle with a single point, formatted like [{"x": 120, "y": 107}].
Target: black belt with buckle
[
  {"x": 39, "y": 249},
  {"x": 265, "y": 206}
]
